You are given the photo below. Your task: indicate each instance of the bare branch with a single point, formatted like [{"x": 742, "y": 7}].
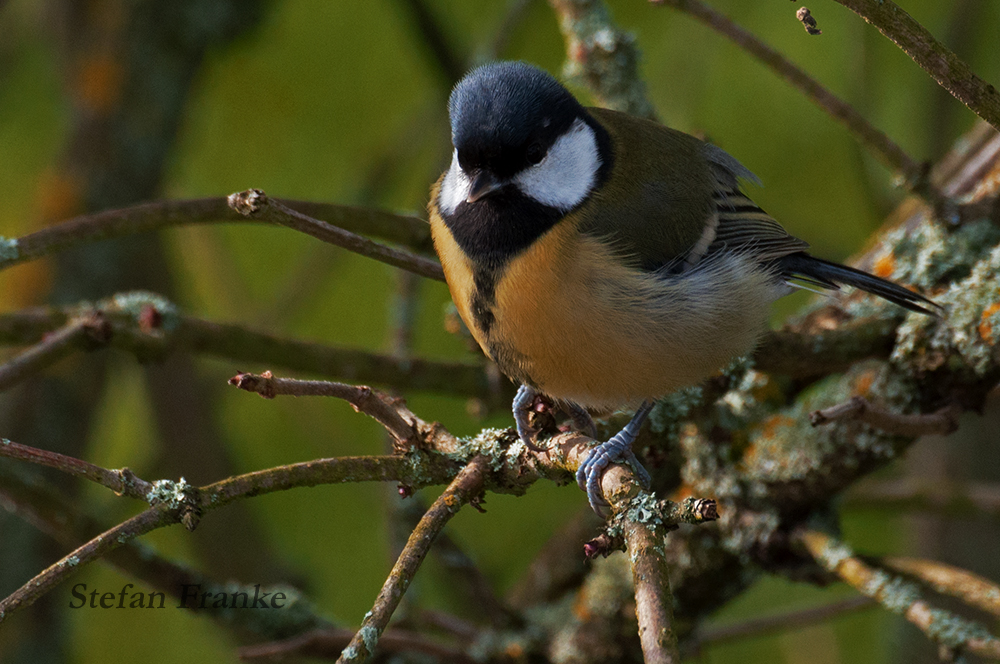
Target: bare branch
[
  {"x": 151, "y": 328},
  {"x": 911, "y": 172},
  {"x": 147, "y": 217},
  {"x": 899, "y": 596},
  {"x": 449, "y": 63},
  {"x": 955, "y": 498},
  {"x": 780, "y": 622},
  {"x": 255, "y": 203},
  {"x": 52, "y": 348},
  {"x": 328, "y": 644},
  {"x": 943, "y": 422},
  {"x": 466, "y": 486},
  {"x": 54, "y": 514},
  {"x": 26, "y": 595},
  {"x": 123, "y": 481},
  {"x": 971, "y": 588},
  {"x": 950, "y": 71},
  {"x": 374, "y": 404},
  {"x": 602, "y": 56}
]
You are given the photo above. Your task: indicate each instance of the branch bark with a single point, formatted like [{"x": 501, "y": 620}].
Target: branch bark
[
  {"x": 466, "y": 486},
  {"x": 950, "y": 71}
]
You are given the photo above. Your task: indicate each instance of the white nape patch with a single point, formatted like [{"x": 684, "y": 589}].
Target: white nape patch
[
  {"x": 455, "y": 188},
  {"x": 567, "y": 173}
]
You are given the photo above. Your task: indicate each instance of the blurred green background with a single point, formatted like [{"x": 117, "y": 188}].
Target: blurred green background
[{"x": 342, "y": 101}]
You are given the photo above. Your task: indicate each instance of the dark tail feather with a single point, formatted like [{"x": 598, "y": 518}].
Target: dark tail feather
[{"x": 832, "y": 275}]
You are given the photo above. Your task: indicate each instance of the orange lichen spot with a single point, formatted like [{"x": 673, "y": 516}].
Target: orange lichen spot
[
  {"x": 99, "y": 83},
  {"x": 769, "y": 427},
  {"x": 884, "y": 265},
  {"x": 580, "y": 609},
  {"x": 985, "y": 326},
  {"x": 58, "y": 196},
  {"x": 863, "y": 383},
  {"x": 514, "y": 651},
  {"x": 682, "y": 492},
  {"x": 750, "y": 455}
]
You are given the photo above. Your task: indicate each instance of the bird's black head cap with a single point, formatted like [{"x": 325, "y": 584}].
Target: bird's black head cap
[{"x": 506, "y": 115}]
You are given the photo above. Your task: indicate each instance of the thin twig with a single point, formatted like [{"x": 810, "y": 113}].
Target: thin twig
[
  {"x": 50, "y": 511},
  {"x": 466, "y": 486},
  {"x": 516, "y": 10},
  {"x": 122, "y": 481},
  {"x": 950, "y": 71},
  {"x": 433, "y": 37},
  {"x": 52, "y": 348},
  {"x": 971, "y": 588},
  {"x": 255, "y": 203},
  {"x": 899, "y": 596},
  {"x": 177, "y": 332},
  {"x": 911, "y": 172},
  {"x": 461, "y": 568},
  {"x": 329, "y": 643},
  {"x": 382, "y": 409},
  {"x": 962, "y": 499},
  {"x": 26, "y": 595},
  {"x": 604, "y": 57},
  {"x": 943, "y": 422},
  {"x": 779, "y": 622},
  {"x": 147, "y": 217}
]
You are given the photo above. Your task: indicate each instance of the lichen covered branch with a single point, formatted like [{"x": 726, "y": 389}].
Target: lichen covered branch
[
  {"x": 644, "y": 534},
  {"x": 971, "y": 588},
  {"x": 900, "y": 596},
  {"x": 602, "y": 56}
]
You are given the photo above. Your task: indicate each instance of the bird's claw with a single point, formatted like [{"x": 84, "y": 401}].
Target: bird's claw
[{"x": 616, "y": 450}]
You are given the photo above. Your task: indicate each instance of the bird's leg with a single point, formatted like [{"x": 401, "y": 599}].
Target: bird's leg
[
  {"x": 523, "y": 402},
  {"x": 582, "y": 420},
  {"x": 617, "y": 449}
]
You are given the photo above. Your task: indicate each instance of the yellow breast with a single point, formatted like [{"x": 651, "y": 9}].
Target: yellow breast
[{"x": 580, "y": 325}]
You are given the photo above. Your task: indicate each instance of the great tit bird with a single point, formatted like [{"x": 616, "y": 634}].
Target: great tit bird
[{"x": 605, "y": 260}]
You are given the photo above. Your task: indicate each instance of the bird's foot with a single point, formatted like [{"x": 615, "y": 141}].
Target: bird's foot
[
  {"x": 616, "y": 450},
  {"x": 582, "y": 421},
  {"x": 524, "y": 402}
]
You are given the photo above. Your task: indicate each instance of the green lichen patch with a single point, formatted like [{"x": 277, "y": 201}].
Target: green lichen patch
[
  {"x": 668, "y": 412},
  {"x": 9, "y": 250},
  {"x": 970, "y": 330},
  {"x": 136, "y": 304},
  {"x": 172, "y": 494},
  {"x": 954, "y": 631}
]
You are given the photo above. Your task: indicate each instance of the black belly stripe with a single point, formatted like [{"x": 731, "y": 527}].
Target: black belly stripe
[{"x": 483, "y": 299}]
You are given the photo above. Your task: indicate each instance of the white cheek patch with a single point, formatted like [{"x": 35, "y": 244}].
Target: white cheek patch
[
  {"x": 567, "y": 174},
  {"x": 455, "y": 188}
]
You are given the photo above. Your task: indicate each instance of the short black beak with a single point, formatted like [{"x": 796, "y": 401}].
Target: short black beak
[{"x": 482, "y": 185}]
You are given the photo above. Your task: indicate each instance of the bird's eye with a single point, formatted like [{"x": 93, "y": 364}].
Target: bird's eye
[{"x": 534, "y": 154}]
